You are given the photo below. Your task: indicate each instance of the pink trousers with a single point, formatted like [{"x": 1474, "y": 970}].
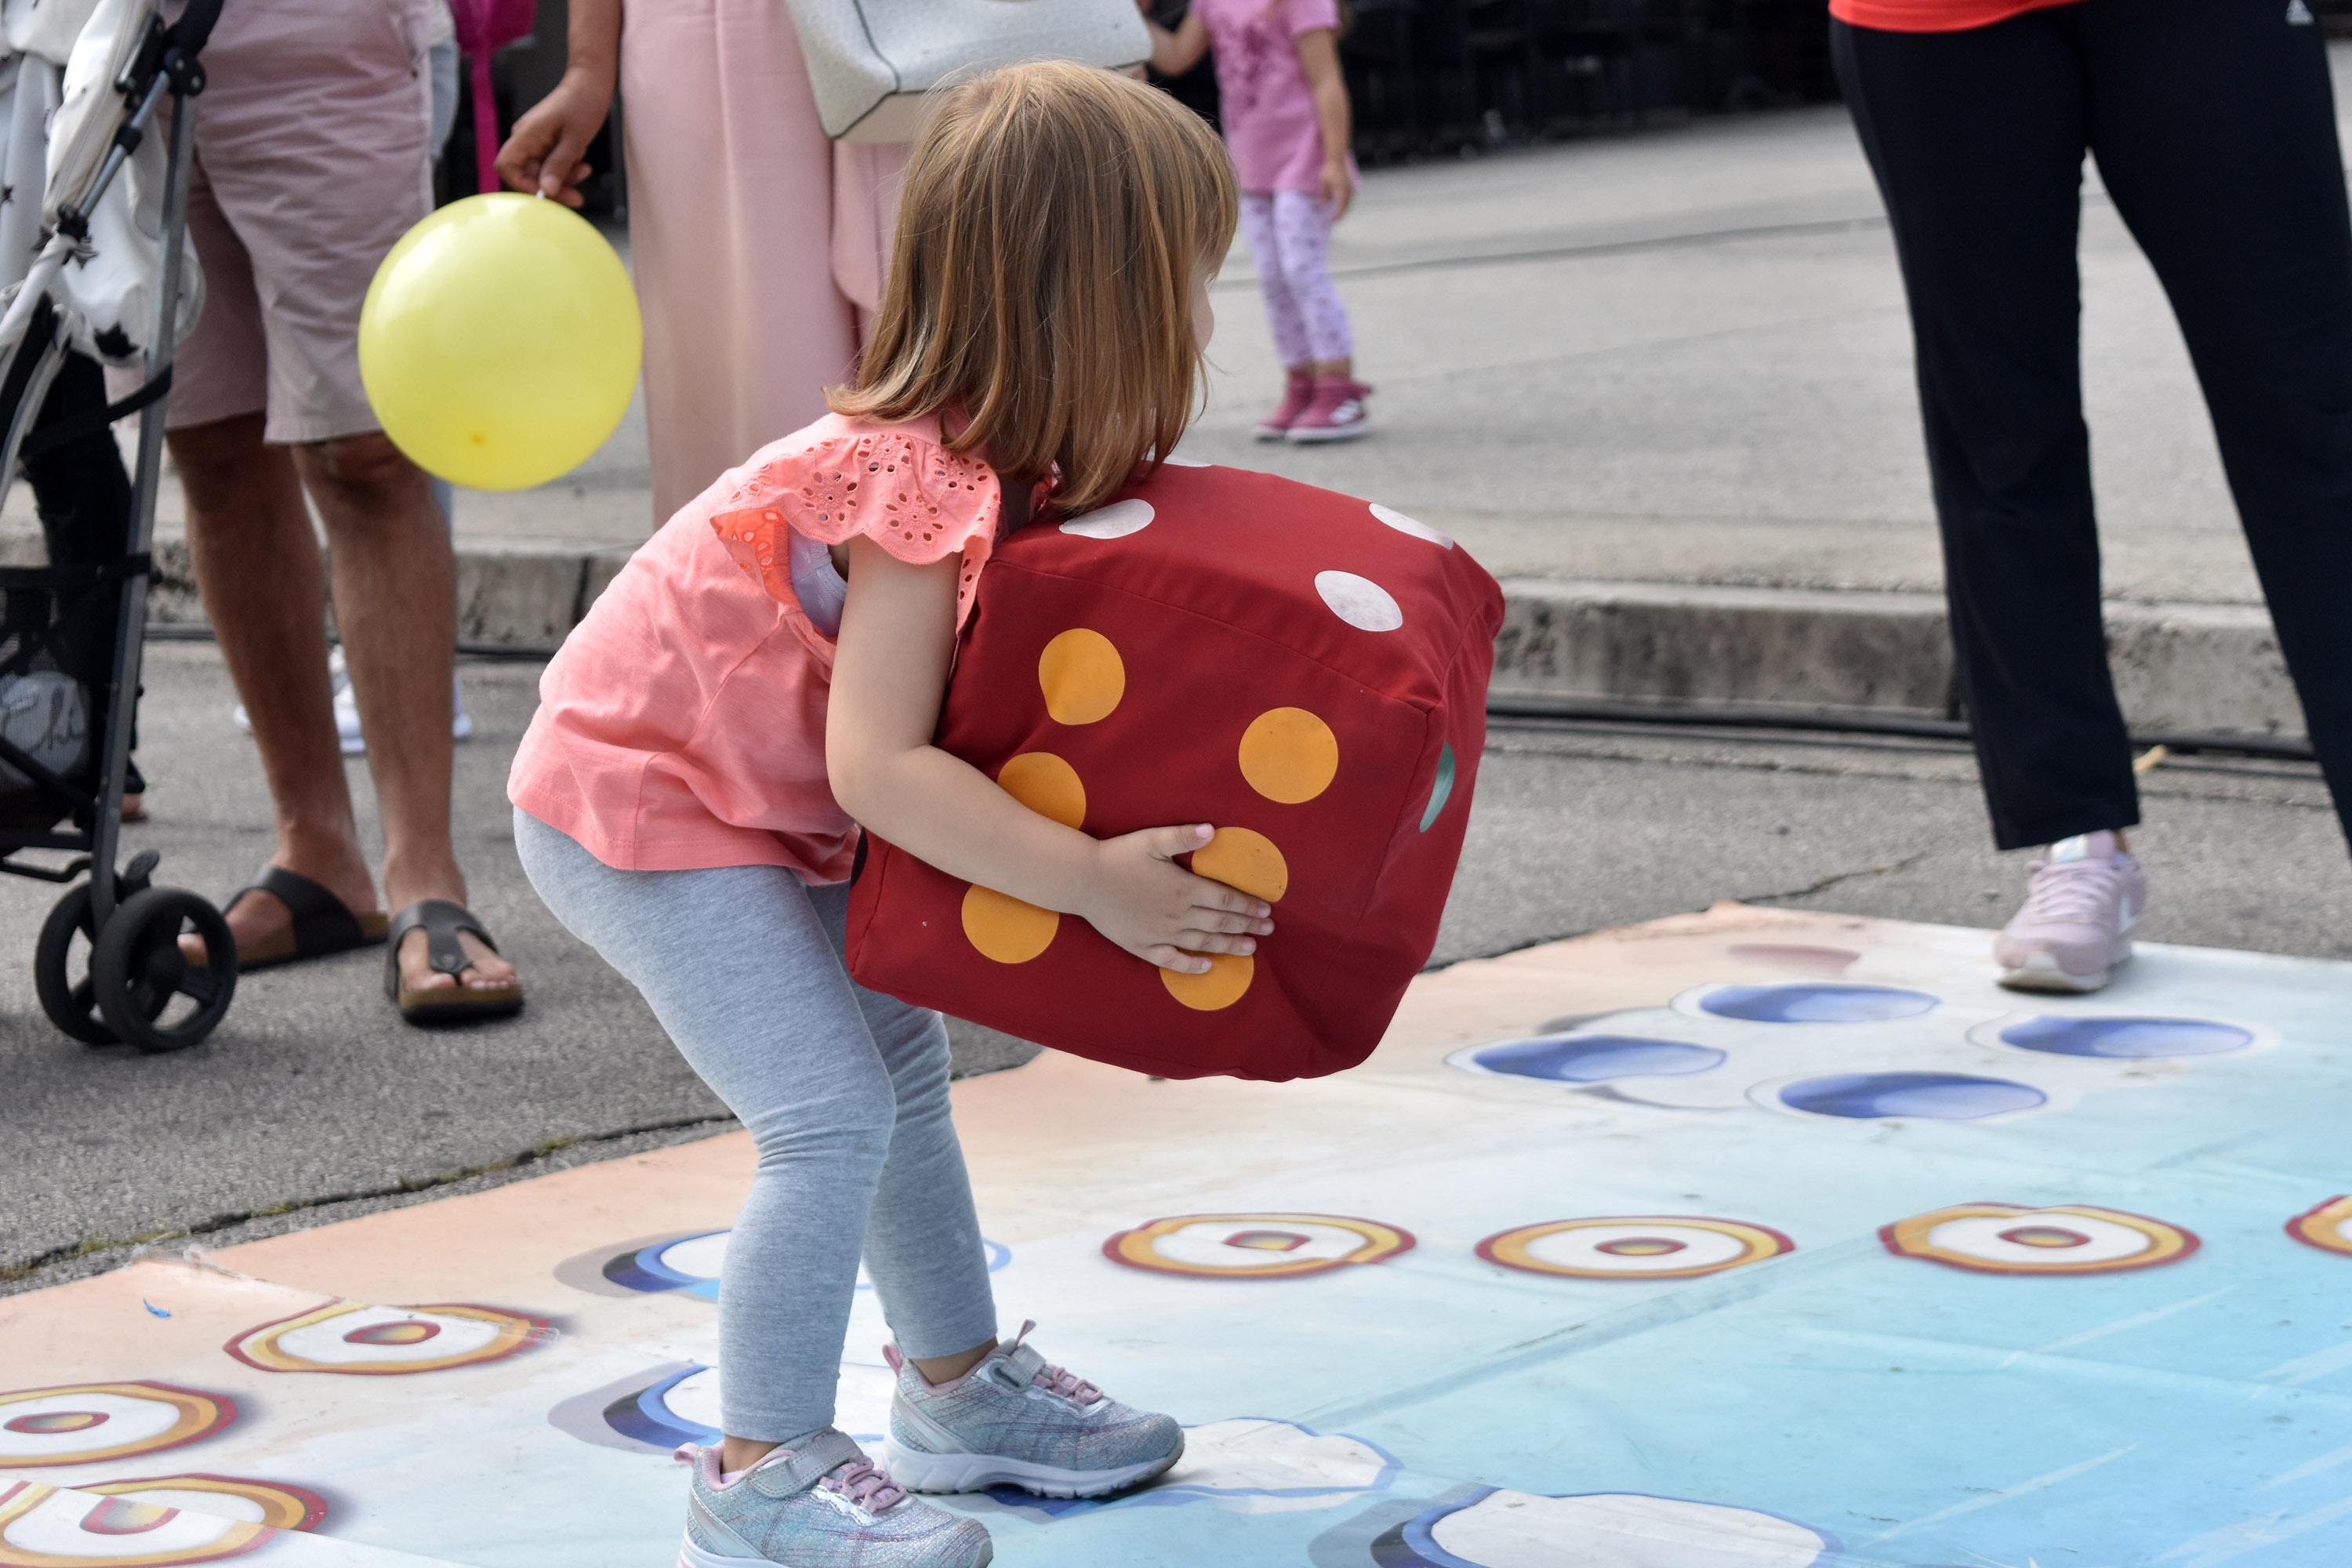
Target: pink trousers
[{"x": 756, "y": 242}]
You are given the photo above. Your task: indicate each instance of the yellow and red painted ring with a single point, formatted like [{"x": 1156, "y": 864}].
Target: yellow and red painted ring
[
  {"x": 2327, "y": 1226},
  {"x": 1634, "y": 1247},
  {"x": 357, "y": 1339},
  {"x": 1255, "y": 1246},
  {"x": 2065, "y": 1238},
  {"x": 91, "y": 1423},
  {"x": 161, "y": 1521}
]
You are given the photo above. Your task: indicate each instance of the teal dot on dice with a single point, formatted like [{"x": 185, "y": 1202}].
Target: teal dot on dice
[{"x": 1443, "y": 790}]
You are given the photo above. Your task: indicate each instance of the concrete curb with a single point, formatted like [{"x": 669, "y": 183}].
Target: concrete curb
[
  {"x": 2181, "y": 669},
  {"x": 2207, "y": 669}
]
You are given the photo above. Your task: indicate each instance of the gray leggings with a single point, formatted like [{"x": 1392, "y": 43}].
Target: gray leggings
[{"x": 844, "y": 1092}]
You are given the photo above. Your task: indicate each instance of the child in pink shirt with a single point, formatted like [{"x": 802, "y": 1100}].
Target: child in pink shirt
[
  {"x": 766, "y": 675},
  {"x": 1284, "y": 108}
]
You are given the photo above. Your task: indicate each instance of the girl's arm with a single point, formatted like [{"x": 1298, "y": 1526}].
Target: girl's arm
[
  {"x": 1173, "y": 54},
  {"x": 889, "y": 676},
  {"x": 542, "y": 152},
  {"x": 1319, "y": 56}
]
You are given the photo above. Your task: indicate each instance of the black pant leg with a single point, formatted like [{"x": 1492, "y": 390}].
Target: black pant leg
[
  {"x": 81, "y": 488},
  {"x": 83, "y": 496},
  {"x": 1977, "y": 138},
  {"x": 2214, "y": 124}
]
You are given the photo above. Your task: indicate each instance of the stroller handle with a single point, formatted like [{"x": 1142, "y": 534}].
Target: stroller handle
[{"x": 196, "y": 25}]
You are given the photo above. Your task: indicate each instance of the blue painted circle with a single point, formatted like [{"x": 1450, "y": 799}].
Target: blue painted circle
[
  {"x": 644, "y": 1270},
  {"x": 1931, "y": 1096},
  {"x": 1811, "y": 1004},
  {"x": 1594, "y": 1058},
  {"x": 647, "y": 1417},
  {"x": 1443, "y": 790},
  {"x": 2132, "y": 1038},
  {"x": 1419, "y": 1535}
]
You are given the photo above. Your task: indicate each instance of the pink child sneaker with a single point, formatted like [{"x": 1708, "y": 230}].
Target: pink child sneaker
[
  {"x": 1336, "y": 414},
  {"x": 1295, "y": 397},
  {"x": 2076, "y": 928}
]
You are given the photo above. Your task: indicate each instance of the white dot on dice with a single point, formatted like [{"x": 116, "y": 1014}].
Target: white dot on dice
[
  {"x": 1116, "y": 521},
  {"x": 1359, "y": 601}
]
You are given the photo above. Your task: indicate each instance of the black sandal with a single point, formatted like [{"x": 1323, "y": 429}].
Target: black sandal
[
  {"x": 321, "y": 923},
  {"x": 441, "y": 921}
]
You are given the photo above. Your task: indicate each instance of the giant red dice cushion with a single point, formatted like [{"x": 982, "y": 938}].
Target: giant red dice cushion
[{"x": 1303, "y": 670}]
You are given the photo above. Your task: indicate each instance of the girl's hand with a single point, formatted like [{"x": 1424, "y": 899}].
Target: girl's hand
[
  {"x": 1338, "y": 187},
  {"x": 543, "y": 154},
  {"x": 1162, "y": 913}
]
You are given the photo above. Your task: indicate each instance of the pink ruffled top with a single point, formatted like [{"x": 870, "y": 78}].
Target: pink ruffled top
[{"x": 682, "y": 723}]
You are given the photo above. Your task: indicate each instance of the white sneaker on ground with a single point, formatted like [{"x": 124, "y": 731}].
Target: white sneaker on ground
[
  {"x": 2074, "y": 931},
  {"x": 348, "y": 733}
]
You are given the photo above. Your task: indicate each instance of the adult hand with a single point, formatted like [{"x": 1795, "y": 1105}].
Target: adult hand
[
  {"x": 542, "y": 156},
  {"x": 1164, "y": 914},
  {"x": 1338, "y": 187}
]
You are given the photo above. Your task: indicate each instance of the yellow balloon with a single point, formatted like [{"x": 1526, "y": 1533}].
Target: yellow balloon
[{"x": 501, "y": 340}]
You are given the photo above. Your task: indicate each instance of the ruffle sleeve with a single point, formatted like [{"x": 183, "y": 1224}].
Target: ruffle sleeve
[{"x": 911, "y": 496}]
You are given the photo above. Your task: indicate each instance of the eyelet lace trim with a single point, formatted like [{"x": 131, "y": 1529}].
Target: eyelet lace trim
[{"x": 917, "y": 500}]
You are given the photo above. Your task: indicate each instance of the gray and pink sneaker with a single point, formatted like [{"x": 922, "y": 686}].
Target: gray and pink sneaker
[
  {"x": 1336, "y": 412},
  {"x": 1017, "y": 1420},
  {"x": 1295, "y": 397},
  {"x": 819, "y": 1503},
  {"x": 2075, "y": 929}
]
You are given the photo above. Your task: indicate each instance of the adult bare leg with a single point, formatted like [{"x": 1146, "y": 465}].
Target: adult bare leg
[
  {"x": 395, "y": 588},
  {"x": 257, "y": 565}
]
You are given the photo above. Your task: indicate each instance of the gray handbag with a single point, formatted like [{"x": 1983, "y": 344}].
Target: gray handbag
[{"x": 871, "y": 61}]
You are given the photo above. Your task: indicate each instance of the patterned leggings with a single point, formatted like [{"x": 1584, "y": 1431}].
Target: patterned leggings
[{"x": 1289, "y": 236}]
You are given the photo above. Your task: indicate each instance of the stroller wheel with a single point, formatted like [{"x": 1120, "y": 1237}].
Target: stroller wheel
[
  {"x": 148, "y": 992},
  {"x": 71, "y": 1002}
]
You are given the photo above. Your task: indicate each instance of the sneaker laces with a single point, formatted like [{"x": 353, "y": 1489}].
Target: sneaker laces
[
  {"x": 2073, "y": 892},
  {"x": 868, "y": 1486},
  {"x": 859, "y": 1479},
  {"x": 1055, "y": 1379},
  {"x": 1069, "y": 1384}
]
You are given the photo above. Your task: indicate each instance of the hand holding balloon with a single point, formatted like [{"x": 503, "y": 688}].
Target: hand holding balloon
[{"x": 499, "y": 342}]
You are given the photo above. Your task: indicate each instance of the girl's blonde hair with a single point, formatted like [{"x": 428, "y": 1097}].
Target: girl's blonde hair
[{"x": 1040, "y": 284}]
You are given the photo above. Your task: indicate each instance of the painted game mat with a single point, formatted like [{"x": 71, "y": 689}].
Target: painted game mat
[{"x": 1748, "y": 1240}]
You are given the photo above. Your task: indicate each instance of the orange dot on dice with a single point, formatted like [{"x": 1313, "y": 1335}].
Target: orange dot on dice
[
  {"x": 1288, "y": 755},
  {"x": 1222, "y": 986},
  {"x": 1240, "y": 858},
  {"x": 1005, "y": 929},
  {"x": 1046, "y": 785},
  {"x": 1081, "y": 676}
]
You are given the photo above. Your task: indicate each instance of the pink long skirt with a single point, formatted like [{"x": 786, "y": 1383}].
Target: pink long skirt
[{"x": 756, "y": 242}]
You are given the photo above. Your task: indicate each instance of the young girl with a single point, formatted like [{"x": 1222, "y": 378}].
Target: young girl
[
  {"x": 766, "y": 675},
  {"x": 1284, "y": 108}
]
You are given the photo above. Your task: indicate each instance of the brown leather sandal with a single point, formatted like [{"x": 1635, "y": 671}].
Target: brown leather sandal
[{"x": 441, "y": 921}]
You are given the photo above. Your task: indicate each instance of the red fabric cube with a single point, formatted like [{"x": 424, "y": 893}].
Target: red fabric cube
[{"x": 1305, "y": 671}]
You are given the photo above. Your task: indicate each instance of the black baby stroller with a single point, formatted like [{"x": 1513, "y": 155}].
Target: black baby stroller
[{"x": 109, "y": 965}]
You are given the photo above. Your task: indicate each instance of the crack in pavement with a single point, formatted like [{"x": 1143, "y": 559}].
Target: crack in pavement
[
  {"x": 1826, "y": 883},
  {"x": 16, "y": 1273}
]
